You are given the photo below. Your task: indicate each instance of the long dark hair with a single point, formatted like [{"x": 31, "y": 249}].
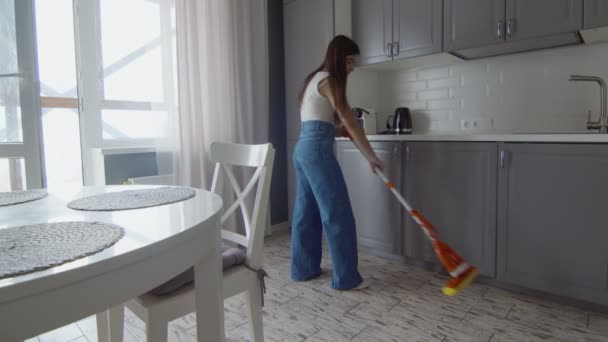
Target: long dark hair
[{"x": 334, "y": 63}]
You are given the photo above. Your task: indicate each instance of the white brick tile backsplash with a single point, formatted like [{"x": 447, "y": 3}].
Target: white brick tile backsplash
[
  {"x": 477, "y": 92},
  {"x": 445, "y": 104},
  {"x": 443, "y": 83},
  {"x": 431, "y": 74},
  {"x": 521, "y": 92},
  {"x": 433, "y": 94},
  {"x": 404, "y": 75},
  {"x": 438, "y": 115},
  {"x": 412, "y": 105},
  {"x": 412, "y": 86},
  {"x": 407, "y": 97}
]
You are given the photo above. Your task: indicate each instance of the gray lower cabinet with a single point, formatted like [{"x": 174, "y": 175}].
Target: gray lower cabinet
[
  {"x": 453, "y": 185},
  {"x": 378, "y": 215},
  {"x": 596, "y": 14},
  {"x": 552, "y": 230},
  {"x": 536, "y": 18},
  {"x": 472, "y": 23}
]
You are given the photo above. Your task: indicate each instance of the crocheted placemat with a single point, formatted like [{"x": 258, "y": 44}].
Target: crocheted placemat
[
  {"x": 35, "y": 247},
  {"x": 16, "y": 197},
  {"x": 132, "y": 199}
]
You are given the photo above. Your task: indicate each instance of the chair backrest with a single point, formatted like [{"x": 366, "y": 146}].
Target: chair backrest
[{"x": 261, "y": 157}]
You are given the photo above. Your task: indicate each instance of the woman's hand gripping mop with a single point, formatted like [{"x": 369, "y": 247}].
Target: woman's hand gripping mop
[{"x": 462, "y": 273}]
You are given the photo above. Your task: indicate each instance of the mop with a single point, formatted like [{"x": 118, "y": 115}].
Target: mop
[{"x": 461, "y": 273}]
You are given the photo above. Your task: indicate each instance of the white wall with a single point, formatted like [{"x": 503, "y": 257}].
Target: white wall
[{"x": 522, "y": 92}]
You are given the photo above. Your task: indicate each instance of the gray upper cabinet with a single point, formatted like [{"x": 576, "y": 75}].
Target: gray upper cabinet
[
  {"x": 416, "y": 27},
  {"x": 372, "y": 30},
  {"x": 552, "y": 230},
  {"x": 393, "y": 29},
  {"x": 308, "y": 29},
  {"x": 473, "y": 23},
  {"x": 453, "y": 185},
  {"x": 378, "y": 214},
  {"x": 536, "y": 18},
  {"x": 596, "y": 13}
]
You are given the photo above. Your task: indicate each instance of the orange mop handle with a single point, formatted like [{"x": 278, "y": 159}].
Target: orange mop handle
[
  {"x": 462, "y": 273},
  {"x": 426, "y": 226}
]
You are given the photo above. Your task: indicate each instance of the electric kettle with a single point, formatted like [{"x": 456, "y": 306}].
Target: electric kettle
[{"x": 402, "y": 121}]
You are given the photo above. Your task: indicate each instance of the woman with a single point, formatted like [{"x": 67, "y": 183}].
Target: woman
[{"x": 322, "y": 198}]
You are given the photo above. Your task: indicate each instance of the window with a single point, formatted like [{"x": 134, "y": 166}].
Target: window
[
  {"x": 137, "y": 53},
  {"x": 107, "y": 72},
  {"x": 58, "y": 93}
]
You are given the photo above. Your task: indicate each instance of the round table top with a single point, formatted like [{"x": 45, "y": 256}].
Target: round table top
[{"x": 144, "y": 229}]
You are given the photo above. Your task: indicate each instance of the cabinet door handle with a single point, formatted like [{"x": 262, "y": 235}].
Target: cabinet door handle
[
  {"x": 389, "y": 50},
  {"x": 503, "y": 158},
  {"x": 395, "y": 152},
  {"x": 396, "y": 49},
  {"x": 499, "y": 28},
  {"x": 407, "y": 153},
  {"x": 510, "y": 27}
]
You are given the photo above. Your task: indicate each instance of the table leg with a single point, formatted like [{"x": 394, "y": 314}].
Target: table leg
[{"x": 209, "y": 297}]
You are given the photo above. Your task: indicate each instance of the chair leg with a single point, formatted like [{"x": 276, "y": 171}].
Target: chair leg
[
  {"x": 117, "y": 323},
  {"x": 156, "y": 329},
  {"x": 110, "y": 324},
  {"x": 103, "y": 326},
  {"x": 254, "y": 311}
]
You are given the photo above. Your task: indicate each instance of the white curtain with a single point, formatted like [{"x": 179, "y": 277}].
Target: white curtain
[{"x": 222, "y": 62}]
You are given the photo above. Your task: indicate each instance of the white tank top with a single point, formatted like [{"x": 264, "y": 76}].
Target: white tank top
[{"x": 314, "y": 105}]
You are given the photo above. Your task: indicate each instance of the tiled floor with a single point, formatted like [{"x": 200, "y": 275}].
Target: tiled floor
[{"x": 403, "y": 303}]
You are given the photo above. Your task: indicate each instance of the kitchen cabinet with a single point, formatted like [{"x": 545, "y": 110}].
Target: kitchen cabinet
[
  {"x": 372, "y": 29},
  {"x": 473, "y": 23},
  {"x": 308, "y": 27},
  {"x": 378, "y": 214},
  {"x": 417, "y": 27},
  {"x": 536, "y": 18},
  {"x": 596, "y": 14},
  {"x": 552, "y": 230},
  {"x": 488, "y": 23},
  {"x": 291, "y": 178},
  {"x": 453, "y": 185},
  {"x": 394, "y": 29}
]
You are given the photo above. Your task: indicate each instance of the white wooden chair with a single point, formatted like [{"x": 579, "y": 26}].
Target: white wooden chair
[{"x": 158, "y": 311}]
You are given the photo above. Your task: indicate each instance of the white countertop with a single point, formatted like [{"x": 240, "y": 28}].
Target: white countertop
[{"x": 494, "y": 137}]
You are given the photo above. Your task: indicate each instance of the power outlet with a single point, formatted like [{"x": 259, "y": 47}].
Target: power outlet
[{"x": 476, "y": 124}]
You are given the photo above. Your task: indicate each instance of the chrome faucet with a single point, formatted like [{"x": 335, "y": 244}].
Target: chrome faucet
[{"x": 602, "y": 123}]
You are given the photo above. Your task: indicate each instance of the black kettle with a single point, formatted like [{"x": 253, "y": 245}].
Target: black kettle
[{"x": 402, "y": 121}]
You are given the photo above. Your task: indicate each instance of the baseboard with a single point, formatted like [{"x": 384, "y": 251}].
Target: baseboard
[{"x": 279, "y": 227}]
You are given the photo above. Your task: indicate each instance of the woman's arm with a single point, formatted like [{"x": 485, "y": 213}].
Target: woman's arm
[
  {"x": 351, "y": 127},
  {"x": 340, "y": 130}
]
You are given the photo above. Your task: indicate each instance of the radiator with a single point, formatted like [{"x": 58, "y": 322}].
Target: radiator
[{"x": 152, "y": 180}]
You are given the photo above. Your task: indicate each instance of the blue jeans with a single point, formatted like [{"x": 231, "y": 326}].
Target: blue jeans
[{"x": 322, "y": 202}]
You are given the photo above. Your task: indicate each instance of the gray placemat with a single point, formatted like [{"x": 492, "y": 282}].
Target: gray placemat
[
  {"x": 16, "y": 197},
  {"x": 35, "y": 247},
  {"x": 132, "y": 199}
]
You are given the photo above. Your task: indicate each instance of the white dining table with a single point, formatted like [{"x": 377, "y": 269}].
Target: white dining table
[{"x": 159, "y": 243}]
